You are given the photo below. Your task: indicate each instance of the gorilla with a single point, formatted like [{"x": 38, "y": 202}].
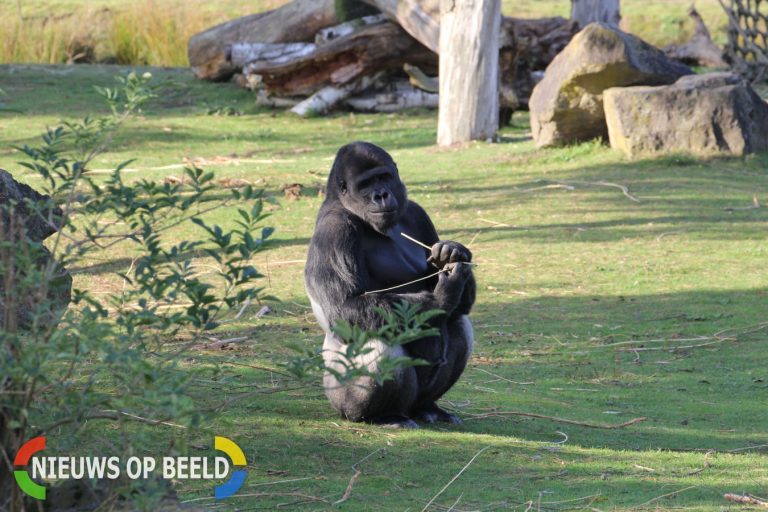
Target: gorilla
[{"x": 356, "y": 248}]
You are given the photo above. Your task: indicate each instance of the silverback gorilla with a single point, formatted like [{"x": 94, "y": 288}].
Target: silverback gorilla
[{"x": 357, "y": 248}]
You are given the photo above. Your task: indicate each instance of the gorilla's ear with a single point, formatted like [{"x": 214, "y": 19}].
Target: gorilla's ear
[{"x": 342, "y": 186}]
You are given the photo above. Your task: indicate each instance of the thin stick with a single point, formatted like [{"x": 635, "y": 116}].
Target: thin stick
[
  {"x": 556, "y": 419},
  {"x": 348, "y": 491},
  {"x": 747, "y": 500},
  {"x": 755, "y": 205},
  {"x": 429, "y": 248},
  {"x": 657, "y": 498},
  {"x": 217, "y": 343},
  {"x": 672, "y": 349},
  {"x": 416, "y": 241},
  {"x": 454, "y": 478},
  {"x": 406, "y": 284},
  {"x": 503, "y": 378},
  {"x": 206, "y": 498}
]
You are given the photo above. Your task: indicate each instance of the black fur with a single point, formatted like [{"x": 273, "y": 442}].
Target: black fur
[{"x": 357, "y": 247}]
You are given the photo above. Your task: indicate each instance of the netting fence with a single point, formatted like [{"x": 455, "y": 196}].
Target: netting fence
[{"x": 747, "y": 47}]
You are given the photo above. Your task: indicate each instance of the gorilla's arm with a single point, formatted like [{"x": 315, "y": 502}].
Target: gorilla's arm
[{"x": 337, "y": 277}]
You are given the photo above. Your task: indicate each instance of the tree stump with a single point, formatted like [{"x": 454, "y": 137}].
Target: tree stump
[
  {"x": 585, "y": 12},
  {"x": 469, "y": 70}
]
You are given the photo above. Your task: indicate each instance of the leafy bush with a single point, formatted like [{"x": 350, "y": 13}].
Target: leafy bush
[
  {"x": 109, "y": 357},
  {"x": 404, "y": 324}
]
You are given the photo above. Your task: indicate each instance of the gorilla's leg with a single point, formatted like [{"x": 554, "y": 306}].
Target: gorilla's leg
[
  {"x": 364, "y": 400},
  {"x": 460, "y": 340}
]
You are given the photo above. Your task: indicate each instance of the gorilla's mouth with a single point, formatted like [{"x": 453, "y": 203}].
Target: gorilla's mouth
[{"x": 383, "y": 212}]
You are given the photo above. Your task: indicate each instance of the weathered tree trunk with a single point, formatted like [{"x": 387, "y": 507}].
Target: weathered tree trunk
[
  {"x": 585, "y": 12},
  {"x": 469, "y": 70},
  {"x": 700, "y": 49},
  {"x": 420, "y": 18},
  {"x": 370, "y": 49},
  {"x": 297, "y": 21}
]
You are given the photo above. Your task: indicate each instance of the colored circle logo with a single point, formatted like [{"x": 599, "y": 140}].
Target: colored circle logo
[
  {"x": 235, "y": 453},
  {"x": 26, "y": 451}
]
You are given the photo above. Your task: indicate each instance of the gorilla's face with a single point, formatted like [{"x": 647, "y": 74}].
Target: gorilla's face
[
  {"x": 370, "y": 186},
  {"x": 377, "y": 196}
]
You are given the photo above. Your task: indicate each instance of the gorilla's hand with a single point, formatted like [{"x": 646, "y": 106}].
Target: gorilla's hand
[
  {"x": 450, "y": 285},
  {"x": 447, "y": 252}
]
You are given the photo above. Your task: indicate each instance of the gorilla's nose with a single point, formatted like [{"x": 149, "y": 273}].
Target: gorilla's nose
[{"x": 384, "y": 200}]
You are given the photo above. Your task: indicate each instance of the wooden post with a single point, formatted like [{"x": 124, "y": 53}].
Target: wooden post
[
  {"x": 585, "y": 12},
  {"x": 469, "y": 70}
]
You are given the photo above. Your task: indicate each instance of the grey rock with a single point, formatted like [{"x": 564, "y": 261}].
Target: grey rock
[
  {"x": 26, "y": 219},
  {"x": 567, "y": 105},
  {"x": 703, "y": 115},
  {"x": 38, "y": 225}
]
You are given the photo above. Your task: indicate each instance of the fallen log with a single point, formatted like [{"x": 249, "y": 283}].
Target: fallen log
[
  {"x": 240, "y": 54},
  {"x": 329, "y": 96},
  {"x": 420, "y": 18},
  {"x": 343, "y": 29},
  {"x": 700, "y": 50},
  {"x": 397, "y": 96},
  {"x": 296, "y": 21},
  {"x": 368, "y": 50},
  {"x": 263, "y": 99}
]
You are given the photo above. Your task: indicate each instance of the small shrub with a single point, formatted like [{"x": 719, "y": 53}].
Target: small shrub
[{"x": 108, "y": 357}]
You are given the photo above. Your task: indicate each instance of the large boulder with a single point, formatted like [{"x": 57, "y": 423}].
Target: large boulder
[
  {"x": 704, "y": 115},
  {"x": 26, "y": 219},
  {"x": 567, "y": 105}
]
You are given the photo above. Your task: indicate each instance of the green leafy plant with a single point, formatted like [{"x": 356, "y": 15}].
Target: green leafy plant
[
  {"x": 114, "y": 356},
  {"x": 402, "y": 324}
]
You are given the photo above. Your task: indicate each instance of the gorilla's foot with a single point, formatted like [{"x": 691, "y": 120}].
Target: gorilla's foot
[
  {"x": 394, "y": 421},
  {"x": 431, "y": 413}
]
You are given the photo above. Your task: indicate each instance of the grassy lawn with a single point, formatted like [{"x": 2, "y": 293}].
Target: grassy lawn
[{"x": 591, "y": 306}]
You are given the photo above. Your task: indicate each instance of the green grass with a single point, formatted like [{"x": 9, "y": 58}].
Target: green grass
[
  {"x": 569, "y": 283},
  {"x": 156, "y": 32}
]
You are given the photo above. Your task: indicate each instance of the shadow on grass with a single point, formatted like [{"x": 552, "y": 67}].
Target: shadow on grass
[{"x": 690, "y": 362}]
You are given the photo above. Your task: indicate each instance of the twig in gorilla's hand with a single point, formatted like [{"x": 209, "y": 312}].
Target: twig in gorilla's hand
[
  {"x": 416, "y": 280},
  {"x": 429, "y": 249},
  {"x": 555, "y": 419},
  {"x": 416, "y": 241},
  {"x": 406, "y": 284}
]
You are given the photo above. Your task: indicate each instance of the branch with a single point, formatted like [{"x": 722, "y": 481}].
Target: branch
[
  {"x": 454, "y": 478},
  {"x": 556, "y": 419},
  {"x": 747, "y": 500}
]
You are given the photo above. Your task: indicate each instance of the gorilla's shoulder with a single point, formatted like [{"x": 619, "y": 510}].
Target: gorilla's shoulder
[
  {"x": 415, "y": 210},
  {"x": 337, "y": 220}
]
